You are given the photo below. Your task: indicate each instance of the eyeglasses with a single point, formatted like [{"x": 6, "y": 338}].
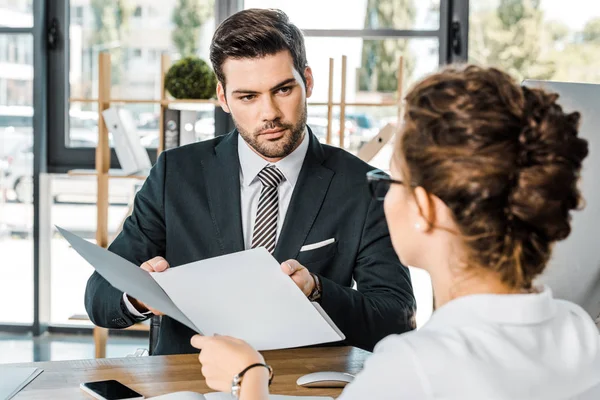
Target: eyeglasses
[{"x": 379, "y": 183}]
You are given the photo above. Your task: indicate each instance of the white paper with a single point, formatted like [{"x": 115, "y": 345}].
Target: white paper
[
  {"x": 180, "y": 396},
  {"x": 226, "y": 396},
  {"x": 14, "y": 379},
  {"x": 127, "y": 277},
  {"x": 245, "y": 295}
]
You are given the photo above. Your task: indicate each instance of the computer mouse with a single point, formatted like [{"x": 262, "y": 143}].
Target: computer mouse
[{"x": 325, "y": 379}]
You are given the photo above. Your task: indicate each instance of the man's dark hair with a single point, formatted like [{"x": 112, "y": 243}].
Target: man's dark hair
[{"x": 256, "y": 33}]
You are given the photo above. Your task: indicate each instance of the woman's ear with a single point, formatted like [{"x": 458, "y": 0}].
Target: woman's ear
[{"x": 425, "y": 204}]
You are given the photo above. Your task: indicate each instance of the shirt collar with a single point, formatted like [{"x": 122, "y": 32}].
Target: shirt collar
[
  {"x": 511, "y": 309},
  {"x": 251, "y": 163}
]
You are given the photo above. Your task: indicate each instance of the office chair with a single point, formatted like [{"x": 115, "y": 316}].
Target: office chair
[{"x": 153, "y": 336}]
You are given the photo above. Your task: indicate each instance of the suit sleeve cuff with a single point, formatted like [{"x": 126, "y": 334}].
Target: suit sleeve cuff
[{"x": 133, "y": 311}]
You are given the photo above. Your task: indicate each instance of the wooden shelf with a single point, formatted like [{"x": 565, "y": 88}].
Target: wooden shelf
[
  {"x": 90, "y": 172},
  {"x": 147, "y": 101},
  {"x": 382, "y": 104},
  {"x": 216, "y": 102},
  {"x": 192, "y": 101}
]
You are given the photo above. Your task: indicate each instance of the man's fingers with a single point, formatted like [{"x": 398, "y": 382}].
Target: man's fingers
[
  {"x": 286, "y": 269},
  {"x": 157, "y": 264},
  {"x": 290, "y": 266},
  {"x": 147, "y": 267},
  {"x": 298, "y": 280}
]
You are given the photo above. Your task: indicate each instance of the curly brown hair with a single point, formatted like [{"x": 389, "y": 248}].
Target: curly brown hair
[{"x": 504, "y": 158}]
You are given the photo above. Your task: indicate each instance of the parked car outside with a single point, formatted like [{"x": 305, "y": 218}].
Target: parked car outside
[{"x": 18, "y": 180}]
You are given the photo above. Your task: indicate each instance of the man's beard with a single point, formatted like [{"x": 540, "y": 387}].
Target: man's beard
[{"x": 283, "y": 146}]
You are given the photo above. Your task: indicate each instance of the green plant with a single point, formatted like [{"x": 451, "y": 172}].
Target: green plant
[{"x": 191, "y": 78}]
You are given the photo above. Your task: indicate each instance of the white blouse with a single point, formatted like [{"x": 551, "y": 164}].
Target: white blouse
[{"x": 488, "y": 347}]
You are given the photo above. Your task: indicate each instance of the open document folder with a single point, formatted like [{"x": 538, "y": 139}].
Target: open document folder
[
  {"x": 227, "y": 396},
  {"x": 14, "y": 379},
  {"x": 244, "y": 295}
]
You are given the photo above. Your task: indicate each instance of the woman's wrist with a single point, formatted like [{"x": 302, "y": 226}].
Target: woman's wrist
[
  {"x": 255, "y": 379},
  {"x": 257, "y": 375},
  {"x": 255, "y": 384}
]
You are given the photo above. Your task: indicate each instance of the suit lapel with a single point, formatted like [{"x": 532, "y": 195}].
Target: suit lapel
[
  {"x": 307, "y": 198},
  {"x": 222, "y": 177}
]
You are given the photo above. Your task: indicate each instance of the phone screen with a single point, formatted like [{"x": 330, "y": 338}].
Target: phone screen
[{"x": 112, "y": 390}]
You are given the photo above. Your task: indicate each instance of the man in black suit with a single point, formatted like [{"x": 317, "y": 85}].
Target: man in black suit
[{"x": 268, "y": 183}]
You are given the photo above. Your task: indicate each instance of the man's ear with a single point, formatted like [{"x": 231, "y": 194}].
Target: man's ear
[
  {"x": 222, "y": 98},
  {"x": 310, "y": 81}
]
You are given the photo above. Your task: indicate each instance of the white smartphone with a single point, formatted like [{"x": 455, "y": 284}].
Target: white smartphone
[{"x": 110, "y": 390}]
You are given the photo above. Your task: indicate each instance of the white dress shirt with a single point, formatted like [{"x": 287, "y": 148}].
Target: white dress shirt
[
  {"x": 250, "y": 165},
  {"x": 489, "y": 347}
]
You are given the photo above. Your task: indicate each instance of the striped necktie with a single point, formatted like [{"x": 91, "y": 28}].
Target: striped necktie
[{"x": 265, "y": 226}]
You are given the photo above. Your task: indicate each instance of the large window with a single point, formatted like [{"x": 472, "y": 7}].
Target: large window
[
  {"x": 372, "y": 34},
  {"x": 135, "y": 34},
  {"x": 16, "y": 13},
  {"x": 68, "y": 36},
  {"x": 16, "y": 169},
  {"x": 371, "y": 77},
  {"x": 537, "y": 39},
  {"x": 357, "y": 14}
]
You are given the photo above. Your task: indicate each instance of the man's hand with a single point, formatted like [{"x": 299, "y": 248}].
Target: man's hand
[
  {"x": 157, "y": 264},
  {"x": 300, "y": 275}
]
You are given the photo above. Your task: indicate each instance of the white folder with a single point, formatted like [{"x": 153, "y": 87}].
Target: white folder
[
  {"x": 130, "y": 152},
  {"x": 227, "y": 396}
]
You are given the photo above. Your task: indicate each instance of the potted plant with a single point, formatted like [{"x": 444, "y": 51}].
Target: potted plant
[{"x": 191, "y": 78}]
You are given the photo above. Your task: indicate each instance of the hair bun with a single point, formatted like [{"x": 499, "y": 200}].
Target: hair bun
[
  {"x": 505, "y": 159},
  {"x": 547, "y": 167}
]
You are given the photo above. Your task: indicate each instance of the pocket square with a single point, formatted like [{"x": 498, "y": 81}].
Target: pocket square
[{"x": 318, "y": 245}]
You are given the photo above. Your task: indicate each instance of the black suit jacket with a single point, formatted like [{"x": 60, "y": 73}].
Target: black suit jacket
[{"x": 189, "y": 209}]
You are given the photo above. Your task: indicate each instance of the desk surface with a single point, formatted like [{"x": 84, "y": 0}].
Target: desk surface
[{"x": 153, "y": 376}]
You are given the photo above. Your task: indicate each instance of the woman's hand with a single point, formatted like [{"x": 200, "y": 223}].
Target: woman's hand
[{"x": 223, "y": 357}]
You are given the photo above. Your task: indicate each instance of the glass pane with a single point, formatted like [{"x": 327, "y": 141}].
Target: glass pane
[
  {"x": 15, "y": 348},
  {"x": 16, "y": 167},
  {"x": 357, "y": 14},
  {"x": 361, "y": 124},
  {"x": 198, "y": 118},
  {"x": 372, "y": 66},
  {"x": 16, "y": 13},
  {"x": 371, "y": 77},
  {"x": 537, "y": 39},
  {"x": 74, "y": 208},
  {"x": 136, "y": 36}
]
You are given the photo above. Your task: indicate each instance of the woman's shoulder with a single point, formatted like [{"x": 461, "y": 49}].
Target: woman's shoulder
[{"x": 393, "y": 368}]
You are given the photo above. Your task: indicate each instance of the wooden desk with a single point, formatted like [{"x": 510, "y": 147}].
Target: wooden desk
[{"x": 153, "y": 376}]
